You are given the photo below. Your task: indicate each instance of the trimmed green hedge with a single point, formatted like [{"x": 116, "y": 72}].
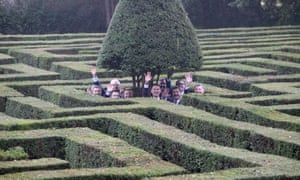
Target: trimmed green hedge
[
  {"x": 33, "y": 164},
  {"x": 241, "y": 111},
  {"x": 84, "y": 148},
  {"x": 81, "y": 155},
  {"x": 259, "y": 139},
  {"x": 13, "y": 153},
  {"x": 40, "y": 58},
  {"x": 29, "y": 107},
  {"x": 5, "y": 93},
  {"x": 224, "y": 80},
  {"x": 76, "y": 96},
  {"x": 6, "y": 59},
  {"x": 143, "y": 136},
  {"x": 240, "y": 69},
  {"x": 224, "y": 134},
  {"x": 37, "y": 147},
  {"x": 80, "y": 70}
]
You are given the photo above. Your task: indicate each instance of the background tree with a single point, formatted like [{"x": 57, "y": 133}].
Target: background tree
[
  {"x": 52, "y": 16},
  {"x": 214, "y": 14},
  {"x": 270, "y": 12},
  {"x": 109, "y": 6},
  {"x": 73, "y": 16},
  {"x": 150, "y": 35}
]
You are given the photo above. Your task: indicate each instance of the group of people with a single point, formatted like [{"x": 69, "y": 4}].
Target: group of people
[
  {"x": 163, "y": 89},
  {"x": 160, "y": 91},
  {"x": 113, "y": 89}
]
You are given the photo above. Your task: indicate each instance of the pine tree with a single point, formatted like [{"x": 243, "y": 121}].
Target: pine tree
[{"x": 150, "y": 35}]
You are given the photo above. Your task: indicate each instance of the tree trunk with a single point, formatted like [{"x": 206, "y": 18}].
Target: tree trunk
[{"x": 109, "y": 10}]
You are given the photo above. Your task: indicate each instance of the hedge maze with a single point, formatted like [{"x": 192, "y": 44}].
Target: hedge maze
[{"x": 246, "y": 126}]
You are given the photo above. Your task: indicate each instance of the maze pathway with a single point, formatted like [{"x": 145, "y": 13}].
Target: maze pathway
[{"x": 245, "y": 126}]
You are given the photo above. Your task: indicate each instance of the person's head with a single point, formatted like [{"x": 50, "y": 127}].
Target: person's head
[
  {"x": 165, "y": 93},
  {"x": 176, "y": 94},
  {"x": 115, "y": 94},
  {"x": 96, "y": 90},
  {"x": 155, "y": 90},
  {"x": 199, "y": 89},
  {"x": 128, "y": 93},
  {"x": 181, "y": 85},
  {"x": 115, "y": 84},
  {"x": 162, "y": 83}
]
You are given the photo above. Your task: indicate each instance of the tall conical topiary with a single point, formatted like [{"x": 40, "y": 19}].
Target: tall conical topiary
[{"x": 150, "y": 35}]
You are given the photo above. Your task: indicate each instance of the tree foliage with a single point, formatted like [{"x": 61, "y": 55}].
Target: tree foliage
[
  {"x": 150, "y": 35},
  {"x": 242, "y": 13},
  {"x": 55, "y": 16},
  {"x": 270, "y": 12},
  {"x": 72, "y": 16},
  {"x": 213, "y": 14}
]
